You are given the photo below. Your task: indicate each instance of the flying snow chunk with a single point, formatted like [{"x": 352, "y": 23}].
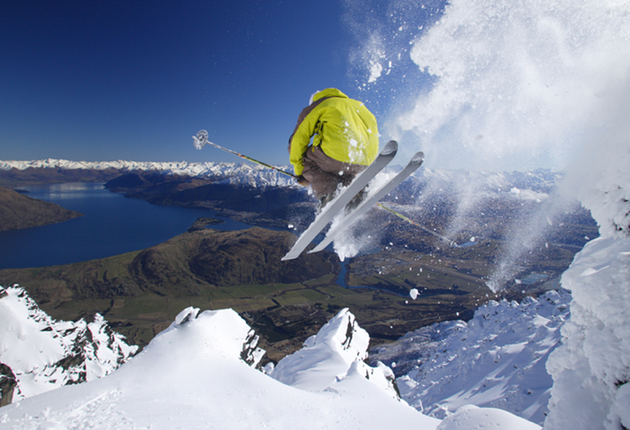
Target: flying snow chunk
[{"x": 414, "y": 293}]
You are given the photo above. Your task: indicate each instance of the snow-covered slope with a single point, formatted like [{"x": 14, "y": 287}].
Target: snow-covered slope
[
  {"x": 591, "y": 370},
  {"x": 193, "y": 375},
  {"x": 43, "y": 354},
  {"x": 497, "y": 359}
]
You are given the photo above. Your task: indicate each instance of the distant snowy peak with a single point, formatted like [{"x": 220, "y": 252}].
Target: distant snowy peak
[
  {"x": 40, "y": 353},
  {"x": 233, "y": 173}
]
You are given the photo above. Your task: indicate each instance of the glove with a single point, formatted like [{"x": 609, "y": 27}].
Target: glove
[{"x": 302, "y": 181}]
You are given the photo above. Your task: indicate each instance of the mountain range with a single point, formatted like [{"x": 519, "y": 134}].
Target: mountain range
[
  {"x": 541, "y": 181},
  {"x": 34, "y": 171}
]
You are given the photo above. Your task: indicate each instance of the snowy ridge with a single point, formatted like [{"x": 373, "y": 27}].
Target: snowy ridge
[
  {"x": 193, "y": 375},
  {"x": 497, "y": 359},
  {"x": 534, "y": 185},
  {"x": 43, "y": 354},
  {"x": 233, "y": 173}
]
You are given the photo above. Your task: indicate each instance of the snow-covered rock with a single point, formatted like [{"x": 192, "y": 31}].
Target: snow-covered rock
[
  {"x": 591, "y": 370},
  {"x": 337, "y": 351},
  {"x": 496, "y": 360},
  {"x": 43, "y": 354}
]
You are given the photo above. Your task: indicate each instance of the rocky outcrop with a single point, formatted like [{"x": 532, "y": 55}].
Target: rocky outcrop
[
  {"x": 39, "y": 353},
  {"x": 336, "y": 353},
  {"x": 7, "y": 384},
  {"x": 250, "y": 352}
]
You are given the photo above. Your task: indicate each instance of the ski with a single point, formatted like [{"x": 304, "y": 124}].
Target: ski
[
  {"x": 370, "y": 201},
  {"x": 342, "y": 199}
]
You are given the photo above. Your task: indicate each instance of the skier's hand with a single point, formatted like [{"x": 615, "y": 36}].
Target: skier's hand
[{"x": 302, "y": 181}]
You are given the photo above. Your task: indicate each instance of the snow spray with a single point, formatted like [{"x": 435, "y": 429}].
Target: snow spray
[{"x": 495, "y": 85}]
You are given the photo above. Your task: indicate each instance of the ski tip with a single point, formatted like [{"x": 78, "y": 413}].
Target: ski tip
[
  {"x": 288, "y": 257},
  {"x": 391, "y": 146},
  {"x": 314, "y": 250},
  {"x": 418, "y": 157}
]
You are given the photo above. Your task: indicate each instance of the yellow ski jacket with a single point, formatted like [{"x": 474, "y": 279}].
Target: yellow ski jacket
[{"x": 344, "y": 129}]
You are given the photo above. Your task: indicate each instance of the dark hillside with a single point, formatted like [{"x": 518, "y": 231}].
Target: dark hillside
[{"x": 18, "y": 211}]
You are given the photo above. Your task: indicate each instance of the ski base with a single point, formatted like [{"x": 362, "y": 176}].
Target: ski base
[
  {"x": 342, "y": 199},
  {"x": 369, "y": 202}
]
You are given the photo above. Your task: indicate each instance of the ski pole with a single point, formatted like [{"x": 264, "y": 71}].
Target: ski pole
[
  {"x": 201, "y": 140},
  {"x": 412, "y": 222}
]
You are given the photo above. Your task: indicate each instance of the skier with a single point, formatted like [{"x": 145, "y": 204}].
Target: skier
[{"x": 345, "y": 141}]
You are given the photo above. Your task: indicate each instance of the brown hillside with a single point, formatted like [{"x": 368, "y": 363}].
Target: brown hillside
[
  {"x": 18, "y": 211},
  {"x": 141, "y": 292}
]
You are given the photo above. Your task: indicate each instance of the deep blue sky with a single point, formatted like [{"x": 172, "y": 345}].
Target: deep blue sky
[{"x": 134, "y": 80}]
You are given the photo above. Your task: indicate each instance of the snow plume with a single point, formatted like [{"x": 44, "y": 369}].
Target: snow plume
[
  {"x": 503, "y": 85},
  {"x": 599, "y": 175},
  {"x": 525, "y": 239},
  {"x": 499, "y": 85},
  {"x": 357, "y": 238},
  {"x": 383, "y": 31}
]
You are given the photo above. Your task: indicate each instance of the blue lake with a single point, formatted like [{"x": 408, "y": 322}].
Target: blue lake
[{"x": 112, "y": 225}]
